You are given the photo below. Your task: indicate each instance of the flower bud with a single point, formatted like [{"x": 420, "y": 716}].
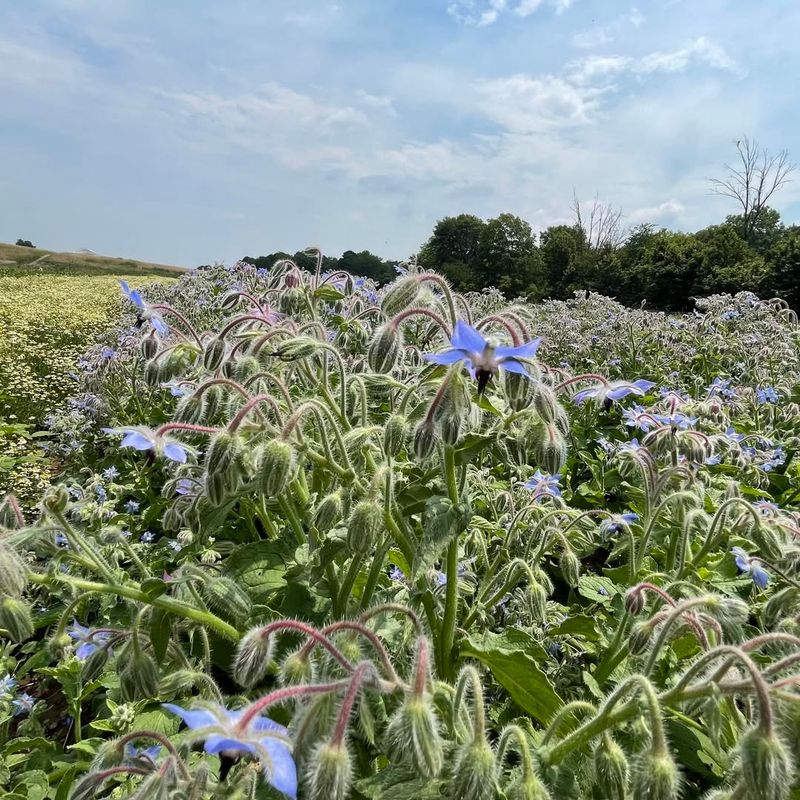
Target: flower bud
[
  {"x": 297, "y": 348},
  {"x": 364, "y": 526},
  {"x": 537, "y": 601},
  {"x": 93, "y": 665},
  {"x": 767, "y": 771},
  {"x": 634, "y": 601},
  {"x": 149, "y": 346},
  {"x": 12, "y": 572},
  {"x": 413, "y": 736},
  {"x": 610, "y": 770},
  {"x": 214, "y": 353},
  {"x": 224, "y": 454},
  {"x": 15, "y": 618},
  {"x": 226, "y": 597},
  {"x": 520, "y": 390},
  {"x": 152, "y": 373},
  {"x": 474, "y": 772},
  {"x": 330, "y": 772},
  {"x": 56, "y": 499},
  {"x": 276, "y": 467},
  {"x": 10, "y": 513},
  {"x": 424, "y": 441},
  {"x": 450, "y": 429},
  {"x": 190, "y": 409},
  {"x": 253, "y": 657},
  {"x": 550, "y": 449},
  {"x": 328, "y": 512},
  {"x": 394, "y": 434},
  {"x": 384, "y": 349},
  {"x": 570, "y": 566},
  {"x": 139, "y": 678},
  {"x": 246, "y": 367},
  {"x": 656, "y": 777},
  {"x": 403, "y": 293},
  {"x": 216, "y": 492},
  {"x": 297, "y": 668},
  {"x": 639, "y": 638},
  {"x": 546, "y": 403}
]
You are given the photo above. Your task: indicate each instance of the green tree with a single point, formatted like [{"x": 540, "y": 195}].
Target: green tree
[
  {"x": 783, "y": 270},
  {"x": 560, "y": 246}
]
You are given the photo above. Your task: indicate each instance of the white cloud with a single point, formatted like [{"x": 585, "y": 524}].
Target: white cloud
[
  {"x": 526, "y": 104},
  {"x": 482, "y": 13},
  {"x": 605, "y": 34},
  {"x": 662, "y": 213},
  {"x": 376, "y": 101}
]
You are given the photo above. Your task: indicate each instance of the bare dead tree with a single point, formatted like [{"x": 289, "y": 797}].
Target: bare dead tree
[
  {"x": 603, "y": 227},
  {"x": 753, "y": 181}
]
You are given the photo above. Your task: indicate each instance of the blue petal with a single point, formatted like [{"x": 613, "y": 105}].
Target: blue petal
[
  {"x": 512, "y": 365},
  {"x": 280, "y": 769},
  {"x": 175, "y": 452},
  {"x": 644, "y": 385},
  {"x": 465, "y": 337},
  {"x": 619, "y": 392},
  {"x": 136, "y": 440},
  {"x": 85, "y": 650},
  {"x": 126, "y": 290},
  {"x": 448, "y": 357},
  {"x": 741, "y": 558},
  {"x": 527, "y": 350},
  {"x": 760, "y": 576},
  {"x": 159, "y": 325},
  {"x": 193, "y": 717},
  {"x": 215, "y": 743},
  {"x": 137, "y": 299},
  {"x": 584, "y": 395}
]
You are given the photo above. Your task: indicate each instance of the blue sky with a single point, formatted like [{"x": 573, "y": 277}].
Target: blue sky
[{"x": 189, "y": 131}]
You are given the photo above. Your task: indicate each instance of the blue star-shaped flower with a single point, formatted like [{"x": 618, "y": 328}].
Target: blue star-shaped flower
[
  {"x": 758, "y": 574},
  {"x": 264, "y": 739}
]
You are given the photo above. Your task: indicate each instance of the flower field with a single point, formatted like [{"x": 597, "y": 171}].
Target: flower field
[
  {"x": 312, "y": 538},
  {"x": 48, "y": 317}
]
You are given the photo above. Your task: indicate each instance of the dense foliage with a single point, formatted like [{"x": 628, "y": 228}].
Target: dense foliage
[
  {"x": 48, "y": 317},
  {"x": 448, "y": 560}
]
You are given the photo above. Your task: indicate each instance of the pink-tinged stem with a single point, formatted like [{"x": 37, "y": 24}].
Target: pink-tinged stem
[
  {"x": 184, "y": 426},
  {"x": 512, "y": 331},
  {"x": 421, "y": 312},
  {"x": 287, "y": 693},
  {"x": 353, "y": 690},
  {"x": 423, "y": 667},
  {"x": 589, "y": 376},
  {"x": 311, "y": 632},
  {"x": 243, "y": 318},
  {"x": 249, "y": 406}
]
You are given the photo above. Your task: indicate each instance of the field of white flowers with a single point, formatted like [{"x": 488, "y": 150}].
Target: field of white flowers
[{"x": 313, "y": 538}]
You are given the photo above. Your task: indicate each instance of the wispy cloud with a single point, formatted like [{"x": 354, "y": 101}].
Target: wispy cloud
[
  {"x": 482, "y": 13},
  {"x": 603, "y": 34}
]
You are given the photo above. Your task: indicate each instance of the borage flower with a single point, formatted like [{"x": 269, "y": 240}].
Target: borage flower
[
  {"x": 544, "y": 485},
  {"x": 264, "y": 739},
  {"x": 141, "y": 438},
  {"x": 144, "y": 312},
  {"x": 619, "y": 521},
  {"x": 23, "y": 704},
  {"x": 758, "y": 574},
  {"x": 88, "y": 640},
  {"x": 483, "y": 357},
  {"x": 7, "y": 685},
  {"x": 604, "y": 394}
]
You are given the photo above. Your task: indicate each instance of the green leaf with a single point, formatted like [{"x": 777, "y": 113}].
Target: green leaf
[
  {"x": 399, "y": 783},
  {"x": 153, "y": 588},
  {"x": 328, "y": 293},
  {"x": 597, "y": 588},
  {"x": 441, "y": 522},
  {"x": 160, "y": 630},
  {"x": 471, "y": 446},
  {"x": 577, "y": 625},
  {"x": 259, "y": 568},
  {"x": 518, "y": 673}
]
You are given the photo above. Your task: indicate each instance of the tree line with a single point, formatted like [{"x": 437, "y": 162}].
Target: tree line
[{"x": 752, "y": 250}]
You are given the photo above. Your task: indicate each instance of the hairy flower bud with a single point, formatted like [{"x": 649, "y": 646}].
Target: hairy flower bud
[
  {"x": 767, "y": 770},
  {"x": 247, "y": 367},
  {"x": 424, "y": 441},
  {"x": 394, "y": 434},
  {"x": 474, "y": 772},
  {"x": 550, "y": 449},
  {"x": 364, "y": 526},
  {"x": 226, "y": 597},
  {"x": 224, "y": 454},
  {"x": 384, "y": 349},
  {"x": 16, "y": 619},
  {"x": 149, "y": 346},
  {"x": 253, "y": 657},
  {"x": 520, "y": 390},
  {"x": 403, "y": 293},
  {"x": 214, "y": 353},
  {"x": 639, "y": 638},
  {"x": 297, "y": 348},
  {"x": 56, "y": 499},
  {"x": 139, "y": 677},
  {"x": 93, "y": 665},
  {"x": 297, "y": 668},
  {"x": 537, "y": 601},
  {"x": 152, "y": 373},
  {"x": 634, "y": 601},
  {"x": 330, "y": 772},
  {"x": 656, "y": 776},
  {"x": 413, "y": 736},
  {"x": 546, "y": 403},
  {"x": 450, "y": 428},
  {"x": 12, "y": 572},
  {"x": 328, "y": 511},
  {"x": 216, "y": 491},
  {"x": 276, "y": 467},
  {"x": 570, "y": 566},
  {"x": 610, "y": 770}
]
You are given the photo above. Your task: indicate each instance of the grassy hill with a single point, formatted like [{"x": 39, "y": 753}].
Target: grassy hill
[{"x": 12, "y": 256}]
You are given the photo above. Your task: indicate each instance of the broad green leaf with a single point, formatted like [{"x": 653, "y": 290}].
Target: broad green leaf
[
  {"x": 154, "y": 587},
  {"x": 399, "y": 783},
  {"x": 258, "y": 568},
  {"x": 577, "y": 625},
  {"x": 160, "y": 629},
  {"x": 519, "y": 674},
  {"x": 597, "y": 588}
]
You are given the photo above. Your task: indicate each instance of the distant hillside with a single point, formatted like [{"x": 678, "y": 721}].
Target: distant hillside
[{"x": 79, "y": 263}]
